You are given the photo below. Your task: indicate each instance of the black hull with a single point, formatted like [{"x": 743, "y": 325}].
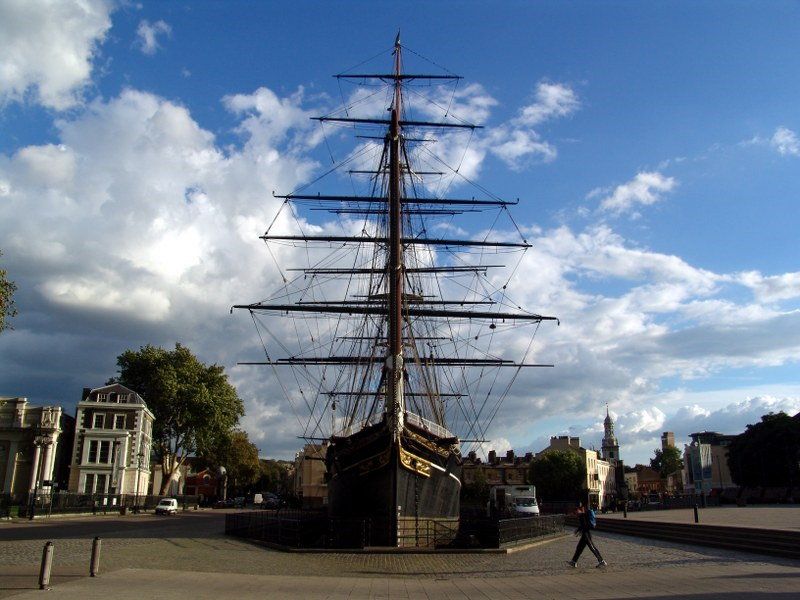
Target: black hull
[{"x": 393, "y": 485}]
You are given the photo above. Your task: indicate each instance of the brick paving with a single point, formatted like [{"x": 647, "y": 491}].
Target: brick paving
[{"x": 183, "y": 546}]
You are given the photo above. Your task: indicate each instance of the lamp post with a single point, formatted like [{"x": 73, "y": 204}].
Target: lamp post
[{"x": 139, "y": 458}]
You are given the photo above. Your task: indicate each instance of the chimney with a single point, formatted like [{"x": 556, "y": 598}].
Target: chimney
[
  {"x": 528, "y": 456},
  {"x": 510, "y": 456},
  {"x": 86, "y": 392},
  {"x": 492, "y": 457},
  {"x": 472, "y": 456}
]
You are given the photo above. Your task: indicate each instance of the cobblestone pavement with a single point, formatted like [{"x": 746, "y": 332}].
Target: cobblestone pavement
[
  {"x": 195, "y": 542},
  {"x": 782, "y": 516}
]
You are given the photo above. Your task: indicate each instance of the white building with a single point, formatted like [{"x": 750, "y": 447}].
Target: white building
[
  {"x": 601, "y": 485},
  {"x": 28, "y": 440},
  {"x": 113, "y": 441}
]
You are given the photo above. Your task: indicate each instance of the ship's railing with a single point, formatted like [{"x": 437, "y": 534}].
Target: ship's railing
[{"x": 428, "y": 425}]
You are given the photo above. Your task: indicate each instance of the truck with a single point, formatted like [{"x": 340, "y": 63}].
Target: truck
[{"x": 512, "y": 500}]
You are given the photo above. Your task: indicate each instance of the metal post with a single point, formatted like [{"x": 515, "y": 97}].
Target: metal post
[
  {"x": 696, "y": 514},
  {"x": 94, "y": 567},
  {"x": 47, "y": 566},
  {"x": 625, "y": 510}
]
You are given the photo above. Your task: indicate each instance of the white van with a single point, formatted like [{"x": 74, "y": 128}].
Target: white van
[
  {"x": 517, "y": 500},
  {"x": 167, "y": 506}
]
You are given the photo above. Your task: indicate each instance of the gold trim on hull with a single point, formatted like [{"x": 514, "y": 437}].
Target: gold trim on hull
[{"x": 414, "y": 463}]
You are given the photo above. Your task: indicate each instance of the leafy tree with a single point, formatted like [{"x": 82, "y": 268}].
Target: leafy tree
[
  {"x": 667, "y": 461},
  {"x": 559, "y": 475},
  {"x": 273, "y": 476},
  {"x": 234, "y": 451},
  {"x": 477, "y": 492},
  {"x": 767, "y": 453},
  {"x": 193, "y": 404},
  {"x": 7, "y": 308}
]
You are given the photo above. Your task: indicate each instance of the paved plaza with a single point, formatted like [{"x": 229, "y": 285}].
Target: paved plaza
[
  {"x": 780, "y": 516},
  {"x": 164, "y": 557}
]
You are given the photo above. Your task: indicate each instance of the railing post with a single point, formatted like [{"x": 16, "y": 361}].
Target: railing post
[
  {"x": 47, "y": 565},
  {"x": 696, "y": 514},
  {"x": 94, "y": 566}
]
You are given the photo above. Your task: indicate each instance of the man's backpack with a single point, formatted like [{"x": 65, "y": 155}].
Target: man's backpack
[{"x": 592, "y": 518}]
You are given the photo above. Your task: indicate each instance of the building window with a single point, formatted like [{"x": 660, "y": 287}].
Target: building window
[
  {"x": 102, "y": 397},
  {"x": 113, "y": 397},
  {"x": 100, "y": 487},
  {"x": 92, "y": 457},
  {"x": 105, "y": 452},
  {"x": 119, "y": 421},
  {"x": 99, "y": 421},
  {"x": 88, "y": 484},
  {"x": 123, "y": 398}
]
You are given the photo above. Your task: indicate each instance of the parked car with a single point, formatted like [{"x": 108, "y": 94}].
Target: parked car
[
  {"x": 167, "y": 506},
  {"x": 271, "y": 501}
]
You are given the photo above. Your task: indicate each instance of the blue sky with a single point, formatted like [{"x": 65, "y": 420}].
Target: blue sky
[{"x": 657, "y": 164}]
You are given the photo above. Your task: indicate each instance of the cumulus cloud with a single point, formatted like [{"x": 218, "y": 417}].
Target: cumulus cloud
[
  {"x": 772, "y": 288},
  {"x": 648, "y": 187},
  {"x": 785, "y": 141},
  {"x": 147, "y": 35},
  {"x": 49, "y": 48},
  {"x": 553, "y": 100},
  {"x": 147, "y": 231}
]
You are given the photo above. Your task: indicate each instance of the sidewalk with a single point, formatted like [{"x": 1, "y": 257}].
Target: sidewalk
[
  {"x": 745, "y": 580},
  {"x": 782, "y": 516}
]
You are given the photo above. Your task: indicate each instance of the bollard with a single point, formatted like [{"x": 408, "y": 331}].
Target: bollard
[
  {"x": 696, "y": 514},
  {"x": 47, "y": 566},
  {"x": 625, "y": 510},
  {"x": 94, "y": 567}
]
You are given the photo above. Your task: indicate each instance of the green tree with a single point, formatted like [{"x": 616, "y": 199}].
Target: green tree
[
  {"x": 7, "y": 307},
  {"x": 234, "y": 451},
  {"x": 667, "y": 461},
  {"x": 559, "y": 475},
  {"x": 476, "y": 493},
  {"x": 767, "y": 453},
  {"x": 273, "y": 476},
  {"x": 193, "y": 404}
]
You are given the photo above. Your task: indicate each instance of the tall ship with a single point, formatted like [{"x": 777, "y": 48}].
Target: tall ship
[{"x": 399, "y": 342}]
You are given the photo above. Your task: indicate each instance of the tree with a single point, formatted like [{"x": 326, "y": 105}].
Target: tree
[
  {"x": 7, "y": 307},
  {"x": 273, "y": 476},
  {"x": 193, "y": 404},
  {"x": 559, "y": 475},
  {"x": 767, "y": 453},
  {"x": 239, "y": 456},
  {"x": 477, "y": 492},
  {"x": 667, "y": 461}
]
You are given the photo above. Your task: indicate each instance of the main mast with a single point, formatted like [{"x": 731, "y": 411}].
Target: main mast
[{"x": 394, "y": 362}]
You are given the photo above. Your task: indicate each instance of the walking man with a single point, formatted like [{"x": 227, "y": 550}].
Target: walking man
[{"x": 585, "y": 526}]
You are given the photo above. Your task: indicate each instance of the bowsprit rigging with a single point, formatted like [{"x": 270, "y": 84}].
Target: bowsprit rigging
[{"x": 399, "y": 335}]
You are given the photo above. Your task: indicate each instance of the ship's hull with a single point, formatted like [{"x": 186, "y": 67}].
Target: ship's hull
[{"x": 397, "y": 487}]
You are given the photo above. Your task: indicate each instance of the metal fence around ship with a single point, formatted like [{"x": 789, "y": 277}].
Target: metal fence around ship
[{"x": 314, "y": 529}]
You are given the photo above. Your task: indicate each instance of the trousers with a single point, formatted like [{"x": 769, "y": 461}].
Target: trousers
[{"x": 586, "y": 540}]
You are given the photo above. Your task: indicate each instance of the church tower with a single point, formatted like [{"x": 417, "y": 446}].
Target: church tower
[{"x": 610, "y": 443}]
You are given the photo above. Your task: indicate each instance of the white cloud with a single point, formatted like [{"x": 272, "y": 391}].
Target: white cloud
[
  {"x": 772, "y": 288},
  {"x": 48, "y": 49},
  {"x": 553, "y": 100},
  {"x": 147, "y": 35},
  {"x": 646, "y": 188},
  {"x": 785, "y": 141},
  {"x": 147, "y": 231}
]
